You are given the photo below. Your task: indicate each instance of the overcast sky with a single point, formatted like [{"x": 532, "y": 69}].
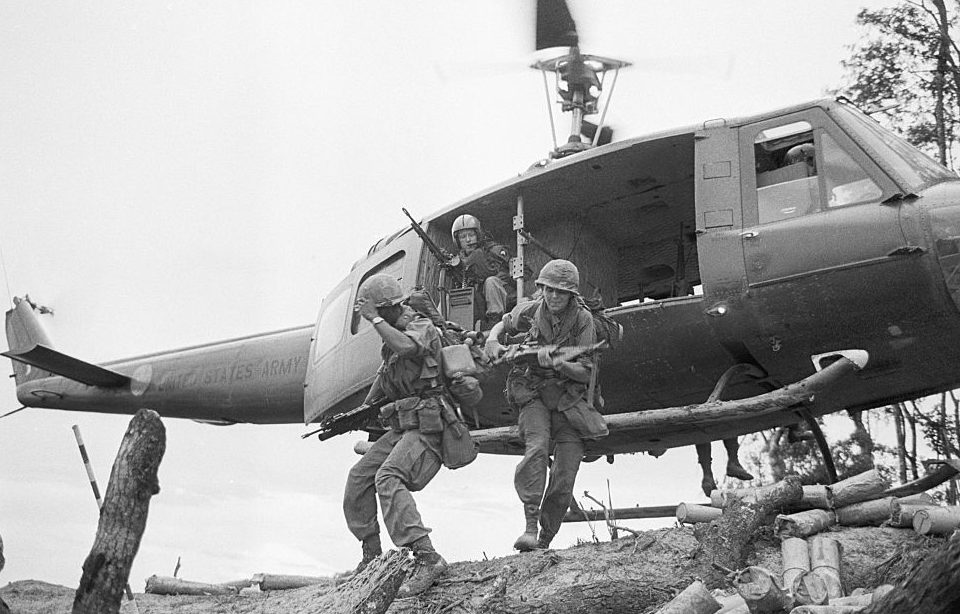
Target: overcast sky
[{"x": 178, "y": 172}]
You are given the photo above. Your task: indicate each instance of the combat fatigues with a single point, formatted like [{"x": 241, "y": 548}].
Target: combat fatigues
[
  {"x": 405, "y": 458},
  {"x": 488, "y": 267},
  {"x": 554, "y": 411}
]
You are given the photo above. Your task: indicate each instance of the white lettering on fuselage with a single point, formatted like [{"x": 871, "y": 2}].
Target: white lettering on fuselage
[{"x": 238, "y": 372}]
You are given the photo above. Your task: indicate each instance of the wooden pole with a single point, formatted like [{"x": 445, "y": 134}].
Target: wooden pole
[
  {"x": 123, "y": 518},
  {"x": 796, "y": 559},
  {"x": 695, "y": 599},
  {"x": 825, "y": 562}
]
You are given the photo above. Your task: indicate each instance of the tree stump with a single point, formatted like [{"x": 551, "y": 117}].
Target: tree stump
[
  {"x": 123, "y": 517},
  {"x": 727, "y": 540}
]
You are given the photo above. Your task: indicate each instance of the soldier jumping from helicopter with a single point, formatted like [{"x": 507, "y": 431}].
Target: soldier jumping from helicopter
[
  {"x": 407, "y": 456},
  {"x": 553, "y": 396},
  {"x": 485, "y": 266}
]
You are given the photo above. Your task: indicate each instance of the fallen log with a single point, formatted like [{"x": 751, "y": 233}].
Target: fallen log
[
  {"x": 937, "y": 520},
  {"x": 803, "y": 524},
  {"x": 695, "y": 599},
  {"x": 827, "y": 609},
  {"x": 902, "y": 514},
  {"x": 620, "y": 513},
  {"x": 280, "y": 582},
  {"x": 123, "y": 517},
  {"x": 809, "y": 589},
  {"x": 863, "y": 599},
  {"x": 761, "y": 591},
  {"x": 866, "y": 513},
  {"x": 166, "y": 585},
  {"x": 861, "y": 487}
]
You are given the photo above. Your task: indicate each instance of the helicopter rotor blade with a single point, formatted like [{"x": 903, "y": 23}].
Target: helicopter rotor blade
[{"x": 555, "y": 25}]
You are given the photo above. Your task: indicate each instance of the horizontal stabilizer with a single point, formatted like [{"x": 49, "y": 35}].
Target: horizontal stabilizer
[{"x": 48, "y": 359}]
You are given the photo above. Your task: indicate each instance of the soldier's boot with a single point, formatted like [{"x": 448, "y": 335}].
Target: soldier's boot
[
  {"x": 528, "y": 541},
  {"x": 428, "y": 568},
  {"x": 371, "y": 549},
  {"x": 543, "y": 542},
  {"x": 708, "y": 484},
  {"x": 705, "y": 460},
  {"x": 734, "y": 468}
]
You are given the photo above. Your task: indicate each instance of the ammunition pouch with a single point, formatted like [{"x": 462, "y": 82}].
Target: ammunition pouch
[
  {"x": 587, "y": 421},
  {"x": 407, "y": 414},
  {"x": 457, "y": 447}
]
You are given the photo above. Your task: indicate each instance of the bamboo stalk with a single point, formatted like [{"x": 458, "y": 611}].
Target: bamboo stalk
[
  {"x": 691, "y": 513},
  {"x": 796, "y": 559},
  {"x": 803, "y": 524},
  {"x": 937, "y": 521},
  {"x": 825, "y": 562},
  {"x": 695, "y": 599},
  {"x": 866, "y": 513}
]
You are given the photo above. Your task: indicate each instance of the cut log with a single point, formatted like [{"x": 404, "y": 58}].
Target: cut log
[
  {"x": 796, "y": 559},
  {"x": 123, "y": 516},
  {"x": 825, "y": 562},
  {"x": 165, "y": 585},
  {"x": 937, "y": 520},
  {"x": 803, "y": 524},
  {"x": 695, "y": 599},
  {"x": 691, "y": 513},
  {"x": 761, "y": 591},
  {"x": 902, "y": 514},
  {"x": 861, "y": 487},
  {"x": 863, "y": 599},
  {"x": 827, "y": 609},
  {"x": 866, "y": 513},
  {"x": 731, "y": 604},
  {"x": 809, "y": 589},
  {"x": 728, "y": 539},
  {"x": 279, "y": 582},
  {"x": 932, "y": 588},
  {"x": 817, "y": 496},
  {"x": 923, "y": 498}
]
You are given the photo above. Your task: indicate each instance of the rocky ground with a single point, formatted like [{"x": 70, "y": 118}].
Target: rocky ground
[{"x": 646, "y": 570}]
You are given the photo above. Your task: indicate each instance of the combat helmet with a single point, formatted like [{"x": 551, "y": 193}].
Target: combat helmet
[
  {"x": 560, "y": 275},
  {"x": 382, "y": 289},
  {"x": 805, "y": 152},
  {"x": 464, "y": 222}
]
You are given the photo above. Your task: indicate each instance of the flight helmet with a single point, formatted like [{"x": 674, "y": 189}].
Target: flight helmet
[
  {"x": 805, "y": 152},
  {"x": 561, "y": 275},
  {"x": 384, "y": 290},
  {"x": 464, "y": 222}
]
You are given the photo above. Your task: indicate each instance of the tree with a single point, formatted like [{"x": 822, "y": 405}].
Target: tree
[{"x": 908, "y": 56}]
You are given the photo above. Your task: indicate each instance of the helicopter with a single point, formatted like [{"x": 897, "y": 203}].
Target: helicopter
[{"x": 779, "y": 241}]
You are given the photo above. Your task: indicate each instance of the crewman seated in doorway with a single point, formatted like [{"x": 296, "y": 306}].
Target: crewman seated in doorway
[{"x": 486, "y": 268}]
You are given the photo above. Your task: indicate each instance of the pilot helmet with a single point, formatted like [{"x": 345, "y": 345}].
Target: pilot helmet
[
  {"x": 464, "y": 222},
  {"x": 805, "y": 152},
  {"x": 382, "y": 289},
  {"x": 561, "y": 275}
]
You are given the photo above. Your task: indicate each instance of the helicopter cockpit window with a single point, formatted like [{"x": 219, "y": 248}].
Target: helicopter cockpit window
[
  {"x": 846, "y": 181},
  {"x": 786, "y": 164},
  {"x": 393, "y": 266}
]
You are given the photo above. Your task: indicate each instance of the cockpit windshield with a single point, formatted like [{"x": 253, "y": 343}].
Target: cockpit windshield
[{"x": 909, "y": 163}]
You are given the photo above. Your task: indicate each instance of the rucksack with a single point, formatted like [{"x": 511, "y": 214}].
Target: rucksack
[{"x": 607, "y": 328}]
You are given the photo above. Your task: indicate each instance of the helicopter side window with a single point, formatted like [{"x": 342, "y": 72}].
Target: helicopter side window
[
  {"x": 392, "y": 266},
  {"x": 330, "y": 324},
  {"x": 847, "y": 183},
  {"x": 787, "y": 178}
]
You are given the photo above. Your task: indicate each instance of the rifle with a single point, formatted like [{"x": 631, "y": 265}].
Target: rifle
[
  {"x": 445, "y": 257},
  {"x": 529, "y": 351},
  {"x": 350, "y": 420}
]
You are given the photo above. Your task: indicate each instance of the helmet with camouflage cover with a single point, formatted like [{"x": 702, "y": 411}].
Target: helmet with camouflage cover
[
  {"x": 464, "y": 222},
  {"x": 560, "y": 275},
  {"x": 382, "y": 290}
]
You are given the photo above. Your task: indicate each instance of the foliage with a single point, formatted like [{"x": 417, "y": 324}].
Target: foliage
[{"x": 907, "y": 56}]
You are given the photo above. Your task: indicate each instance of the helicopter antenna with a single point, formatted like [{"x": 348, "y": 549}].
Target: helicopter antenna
[{"x": 578, "y": 77}]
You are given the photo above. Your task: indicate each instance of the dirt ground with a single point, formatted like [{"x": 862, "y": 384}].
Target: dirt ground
[{"x": 651, "y": 568}]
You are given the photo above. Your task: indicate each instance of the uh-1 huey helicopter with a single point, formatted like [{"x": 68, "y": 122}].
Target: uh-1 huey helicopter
[{"x": 797, "y": 262}]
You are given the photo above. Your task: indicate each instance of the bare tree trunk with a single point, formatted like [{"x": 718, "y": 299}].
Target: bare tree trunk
[
  {"x": 778, "y": 467},
  {"x": 123, "y": 517},
  {"x": 901, "y": 442},
  {"x": 940, "y": 79},
  {"x": 912, "y": 419},
  {"x": 934, "y": 588}
]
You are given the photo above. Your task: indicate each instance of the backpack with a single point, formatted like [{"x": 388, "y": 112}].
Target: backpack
[{"x": 607, "y": 328}]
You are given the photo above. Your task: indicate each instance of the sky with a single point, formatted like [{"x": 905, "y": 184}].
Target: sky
[{"x": 173, "y": 173}]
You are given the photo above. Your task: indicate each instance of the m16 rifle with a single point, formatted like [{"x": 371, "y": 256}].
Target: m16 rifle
[
  {"x": 531, "y": 352},
  {"x": 345, "y": 421},
  {"x": 446, "y": 258}
]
